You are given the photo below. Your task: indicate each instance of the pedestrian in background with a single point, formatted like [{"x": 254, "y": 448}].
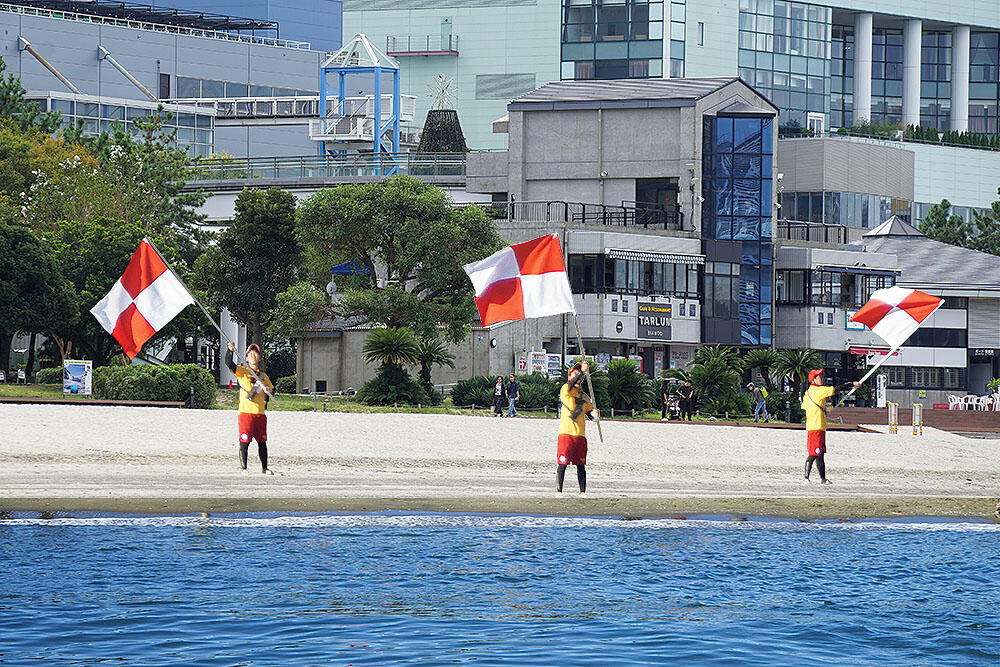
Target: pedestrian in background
[
  {"x": 686, "y": 394},
  {"x": 665, "y": 398},
  {"x": 759, "y": 402},
  {"x": 513, "y": 394},
  {"x": 498, "y": 394}
]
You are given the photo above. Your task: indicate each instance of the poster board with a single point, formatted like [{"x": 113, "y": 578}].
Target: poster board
[{"x": 78, "y": 376}]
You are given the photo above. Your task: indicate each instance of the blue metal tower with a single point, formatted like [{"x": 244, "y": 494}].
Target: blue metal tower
[{"x": 352, "y": 123}]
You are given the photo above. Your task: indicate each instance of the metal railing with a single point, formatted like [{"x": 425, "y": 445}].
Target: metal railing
[
  {"x": 256, "y": 107},
  {"x": 153, "y": 27},
  {"x": 815, "y": 232},
  {"x": 333, "y": 166},
  {"x": 609, "y": 215},
  {"x": 397, "y": 44}
]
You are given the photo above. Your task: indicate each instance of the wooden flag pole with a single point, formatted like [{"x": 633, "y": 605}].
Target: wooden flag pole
[
  {"x": 867, "y": 375},
  {"x": 590, "y": 386},
  {"x": 204, "y": 310}
]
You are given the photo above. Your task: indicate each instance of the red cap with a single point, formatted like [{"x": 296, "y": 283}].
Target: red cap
[
  {"x": 256, "y": 347},
  {"x": 814, "y": 373}
]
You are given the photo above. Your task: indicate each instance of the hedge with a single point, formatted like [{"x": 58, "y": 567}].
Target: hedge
[
  {"x": 155, "y": 383},
  {"x": 49, "y": 375},
  {"x": 286, "y": 385}
]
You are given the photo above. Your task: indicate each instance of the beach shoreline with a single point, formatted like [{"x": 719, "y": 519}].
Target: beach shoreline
[
  {"x": 814, "y": 508},
  {"x": 152, "y": 461}
]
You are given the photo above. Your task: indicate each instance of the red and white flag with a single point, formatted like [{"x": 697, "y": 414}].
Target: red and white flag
[
  {"x": 896, "y": 312},
  {"x": 143, "y": 301},
  {"x": 521, "y": 281}
]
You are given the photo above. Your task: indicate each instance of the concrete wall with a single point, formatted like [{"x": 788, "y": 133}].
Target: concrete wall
[
  {"x": 71, "y": 46},
  {"x": 494, "y": 38},
  {"x": 337, "y": 356},
  {"x": 835, "y": 165},
  {"x": 263, "y": 140}
]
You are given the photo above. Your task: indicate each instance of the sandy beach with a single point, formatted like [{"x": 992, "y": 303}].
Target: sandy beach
[{"x": 127, "y": 459}]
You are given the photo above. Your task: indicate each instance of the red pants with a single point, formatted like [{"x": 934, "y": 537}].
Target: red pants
[
  {"x": 571, "y": 449},
  {"x": 816, "y": 443},
  {"x": 252, "y": 426}
]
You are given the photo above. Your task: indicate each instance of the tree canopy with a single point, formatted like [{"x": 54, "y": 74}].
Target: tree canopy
[
  {"x": 255, "y": 259},
  {"x": 413, "y": 242}
]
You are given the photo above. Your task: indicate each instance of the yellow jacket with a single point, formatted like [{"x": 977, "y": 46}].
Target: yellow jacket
[
  {"x": 258, "y": 403},
  {"x": 814, "y": 403},
  {"x": 570, "y": 400}
]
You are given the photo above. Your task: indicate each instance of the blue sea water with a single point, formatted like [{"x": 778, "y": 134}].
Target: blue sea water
[{"x": 495, "y": 590}]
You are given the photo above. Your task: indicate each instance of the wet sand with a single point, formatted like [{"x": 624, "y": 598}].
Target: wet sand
[{"x": 149, "y": 460}]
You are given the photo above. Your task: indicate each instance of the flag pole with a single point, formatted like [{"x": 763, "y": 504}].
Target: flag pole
[
  {"x": 222, "y": 334},
  {"x": 590, "y": 387},
  {"x": 868, "y": 374}
]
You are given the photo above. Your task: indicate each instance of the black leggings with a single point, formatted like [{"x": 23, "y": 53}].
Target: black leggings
[
  {"x": 820, "y": 466},
  {"x": 261, "y": 452},
  {"x": 581, "y": 477}
]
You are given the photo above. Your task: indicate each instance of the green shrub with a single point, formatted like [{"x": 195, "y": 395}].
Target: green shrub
[
  {"x": 476, "y": 390},
  {"x": 775, "y": 403},
  {"x": 280, "y": 363},
  {"x": 286, "y": 385},
  {"x": 629, "y": 389},
  {"x": 390, "y": 386},
  {"x": 155, "y": 383},
  {"x": 49, "y": 375}
]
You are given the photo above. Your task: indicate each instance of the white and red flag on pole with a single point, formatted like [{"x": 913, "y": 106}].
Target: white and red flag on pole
[
  {"x": 893, "y": 314},
  {"x": 143, "y": 301},
  {"x": 522, "y": 281}
]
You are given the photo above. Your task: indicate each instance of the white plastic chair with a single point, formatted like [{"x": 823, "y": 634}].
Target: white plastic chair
[
  {"x": 21, "y": 377},
  {"x": 969, "y": 402},
  {"x": 996, "y": 402},
  {"x": 983, "y": 403},
  {"x": 954, "y": 402}
]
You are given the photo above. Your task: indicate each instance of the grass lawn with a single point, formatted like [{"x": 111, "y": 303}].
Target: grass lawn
[{"x": 227, "y": 399}]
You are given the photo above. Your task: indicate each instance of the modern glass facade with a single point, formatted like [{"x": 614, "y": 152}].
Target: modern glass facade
[
  {"x": 849, "y": 209},
  {"x": 935, "y": 80},
  {"x": 784, "y": 52},
  {"x": 737, "y": 187},
  {"x": 600, "y": 274},
  {"x": 622, "y": 39},
  {"x": 984, "y": 73}
]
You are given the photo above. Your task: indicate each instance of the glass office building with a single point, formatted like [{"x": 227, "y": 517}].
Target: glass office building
[{"x": 738, "y": 182}]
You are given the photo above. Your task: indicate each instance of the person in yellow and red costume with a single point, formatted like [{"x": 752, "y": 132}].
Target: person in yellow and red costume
[
  {"x": 814, "y": 403},
  {"x": 255, "y": 391},
  {"x": 576, "y": 408}
]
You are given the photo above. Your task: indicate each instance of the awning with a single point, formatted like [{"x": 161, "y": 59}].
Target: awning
[
  {"x": 652, "y": 256},
  {"x": 860, "y": 270}
]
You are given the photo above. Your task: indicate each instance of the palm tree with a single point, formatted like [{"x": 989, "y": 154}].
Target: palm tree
[
  {"x": 391, "y": 346},
  {"x": 629, "y": 389},
  {"x": 796, "y": 364},
  {"x": 432, "y": 352},
  {"x": 722, "y": 353},
  {"x": 715, "y": 381},
  {"x": 765, "y": 360}
]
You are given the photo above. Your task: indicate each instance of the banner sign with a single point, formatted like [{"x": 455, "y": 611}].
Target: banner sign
[{"x": 653, "y": 321}]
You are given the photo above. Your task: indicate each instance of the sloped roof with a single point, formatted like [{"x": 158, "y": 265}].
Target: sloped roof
[
  {"x": 894, "y": 226},
  {"x": 655, "y": 92},
  {"x": 928, "y": 262},
  {"x": 360, "y": 52}
]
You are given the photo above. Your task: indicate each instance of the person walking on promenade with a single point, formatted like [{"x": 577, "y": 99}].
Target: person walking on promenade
[
  {"x": 255, "y": 391},
  {"x": 664, "y": 398},
  {"x": 513, "y": 394},
  {"x": 759, "y": 402},
  {"x": 814, "y": 403},
  {"x": 498, "y": 394},
  {"x": 686, "y": 393},
  {"x": 574, "y": 410}
]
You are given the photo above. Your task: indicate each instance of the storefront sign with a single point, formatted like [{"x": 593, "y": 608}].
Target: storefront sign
[
  {"x": 852, "y": 326},
  {"x": 872, "y": 351},
  {"x": 983, "y": 352},
  {"x": 539, "y": 362},
  {"x": 554, "y": 364},
  {"x": 653, "y": 321}
]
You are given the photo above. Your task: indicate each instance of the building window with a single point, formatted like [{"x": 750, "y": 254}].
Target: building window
[
  {"x": 895, "y": 376},
  {"x": 701, "y": 33},
  {"x": 790, "y": 286},
  {"x": 613, "y": 39}
]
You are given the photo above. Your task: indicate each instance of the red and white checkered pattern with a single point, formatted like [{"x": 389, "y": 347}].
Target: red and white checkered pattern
[
  {"x": 525, "y": 280},
  {"x": 896, "y": 312},
  {"x": 143, "y": 301}
]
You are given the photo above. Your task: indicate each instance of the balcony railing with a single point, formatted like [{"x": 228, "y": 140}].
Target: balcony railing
[
  {"x": 257, "y": 107},
  {"x": 344, "y": 167},
  {"x": 629, "y": 214},
  {"x": 815, "y": 232},
  {"x": 397, "y": 45}
]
